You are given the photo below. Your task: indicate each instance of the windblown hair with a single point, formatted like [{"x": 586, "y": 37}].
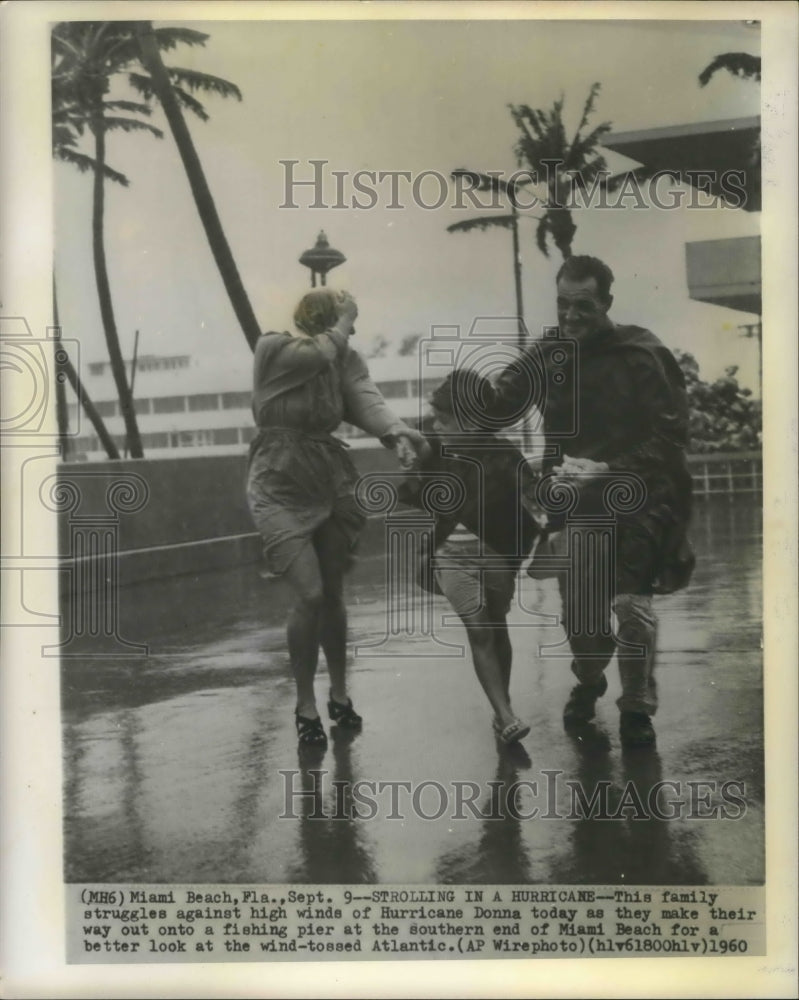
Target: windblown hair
[
  {"x": 317, "y": 311},
  {"x": 465, "y": 394}
]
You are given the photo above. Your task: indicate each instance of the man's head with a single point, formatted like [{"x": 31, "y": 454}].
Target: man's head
[
  {"x": 584, "y": 297},
  {"x": 459, "y": 402}
]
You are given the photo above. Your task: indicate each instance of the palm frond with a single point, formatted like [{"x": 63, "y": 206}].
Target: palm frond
[
  {"x": 111, "y": 123},
  {"x": 588, "y": 108},
  {"x": 134, "y": 107},
  {"x": 541, "y": 231},
  {"x": 204, "y": 82},
  {"x": 169, "y": 38},
  {"x": 583, "y": 146},
  {"x": 85, "y": 163},
  {"x": 141, "y": 84},
  {"x": 486, "y": 222},
  {"x": 190, "y": 103}
]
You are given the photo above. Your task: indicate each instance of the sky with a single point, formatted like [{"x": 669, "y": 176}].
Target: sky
[{"x": 398, "y": 95}]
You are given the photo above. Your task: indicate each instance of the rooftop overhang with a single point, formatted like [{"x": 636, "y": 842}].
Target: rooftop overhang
[
  {"x": 717, "y": 147},
  {"x": 725, "y": 273}
]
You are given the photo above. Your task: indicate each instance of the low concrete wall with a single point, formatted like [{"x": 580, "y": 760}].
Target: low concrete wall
[{"x": 165, "y": 517}]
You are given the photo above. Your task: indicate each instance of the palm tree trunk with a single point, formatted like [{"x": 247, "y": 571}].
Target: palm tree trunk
[
  {"x": 61, "y": 412},
  {"x": 151, "y": 57},
  {"x": 104, "y": 295},
  {"x": 65, "y": 366}
]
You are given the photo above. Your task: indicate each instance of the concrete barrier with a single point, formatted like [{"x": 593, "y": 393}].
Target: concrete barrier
[{"x": 166, "y": 517}]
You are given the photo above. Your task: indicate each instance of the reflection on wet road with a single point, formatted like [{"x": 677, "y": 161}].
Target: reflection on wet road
[{"x": 182, "y": 766}]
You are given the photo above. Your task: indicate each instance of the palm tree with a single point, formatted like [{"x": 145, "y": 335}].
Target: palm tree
[
  {"x": 86, "y": 57},
  {"x": 161, "y": 82},
  {"x": 562, "y": 164}
]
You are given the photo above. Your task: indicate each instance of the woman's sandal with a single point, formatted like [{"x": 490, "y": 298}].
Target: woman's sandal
[
  {"x": 513, "y": 732},
  {"x": 344, "y": 715},
  {"x": 310, "y": 732}
]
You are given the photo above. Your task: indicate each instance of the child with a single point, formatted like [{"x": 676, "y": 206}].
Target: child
[{"x": 478, "y": 575}]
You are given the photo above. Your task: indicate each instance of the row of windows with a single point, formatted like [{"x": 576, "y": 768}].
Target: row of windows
[
  {"x": 174, "y": 404},
  {"x": 147, "y": 363},
  {"x": 193, "y": 438},
  {"x": 173, "y": 439},
  {"x": 399, "y": 389}
]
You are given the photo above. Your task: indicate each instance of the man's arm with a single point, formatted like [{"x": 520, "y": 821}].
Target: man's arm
[{"x": 517, "y": 388}]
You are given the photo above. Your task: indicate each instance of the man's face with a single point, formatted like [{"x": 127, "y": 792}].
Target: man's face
[{"x": 581, "y": 308}]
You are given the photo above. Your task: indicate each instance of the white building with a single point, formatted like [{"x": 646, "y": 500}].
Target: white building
[{"x": 184, "y": 402}]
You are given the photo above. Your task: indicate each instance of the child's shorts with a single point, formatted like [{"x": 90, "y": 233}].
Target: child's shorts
[{"x": 473, "y": 577}]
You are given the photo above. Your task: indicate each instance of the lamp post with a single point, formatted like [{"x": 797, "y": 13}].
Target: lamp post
[
  {"x": 487, "y": 182},
  {"x": 321, "y": 258}
]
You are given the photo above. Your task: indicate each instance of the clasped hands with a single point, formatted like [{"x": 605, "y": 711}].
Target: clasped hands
[{"x": 579, "y": 469}]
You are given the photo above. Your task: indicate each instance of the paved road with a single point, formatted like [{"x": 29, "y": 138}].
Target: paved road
[{"x": 178, "y": 765}]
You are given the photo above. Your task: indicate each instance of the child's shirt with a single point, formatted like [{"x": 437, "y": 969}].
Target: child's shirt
[{"x": 491, "y": 485}]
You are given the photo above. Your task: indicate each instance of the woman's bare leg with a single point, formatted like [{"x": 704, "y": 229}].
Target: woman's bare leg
[
  {"x": 303, "y": 629},
  {"x": 333, "y": 550}
]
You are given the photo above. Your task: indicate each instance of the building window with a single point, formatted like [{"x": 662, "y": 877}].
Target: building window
[
  {"x": 88, "y": 443},
  {"x": 394, "y": 390},
  {"x": 141, "y": 405},
  {"x": 156, "y": 440},
  {"x": 169, "y": 404},
  {"x": 97, "y": 367},
  {"x": 191, "y": 439},
  {"x": 204, "y": 401},
  {"x": 107, "y": 407},
  {"x": 152, "y": 363},
  {"x": 247, "y": 434},
  {"x": 226, "y": 435},
  {"x": 236, "y": 400}
]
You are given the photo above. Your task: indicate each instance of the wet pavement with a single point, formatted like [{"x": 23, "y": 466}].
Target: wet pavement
[{"x": 173, "y": 761}]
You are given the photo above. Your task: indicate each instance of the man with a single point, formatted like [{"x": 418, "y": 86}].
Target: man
[{"x": 615, "y": 414}]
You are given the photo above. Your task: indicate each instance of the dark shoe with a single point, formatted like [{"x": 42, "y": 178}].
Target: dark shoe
[
  {"x": 581, "y": 705},
  {"x": 344, "y": 715},
  {"x": 310, "y": 732},
  {"x": 635, "y": 729}
]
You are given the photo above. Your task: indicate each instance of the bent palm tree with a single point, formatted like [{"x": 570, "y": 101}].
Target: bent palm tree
[{"x": 162, "y": 84}]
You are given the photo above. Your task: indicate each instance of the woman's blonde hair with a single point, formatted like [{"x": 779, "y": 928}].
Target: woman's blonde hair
[{"x": 317, "y": 311}]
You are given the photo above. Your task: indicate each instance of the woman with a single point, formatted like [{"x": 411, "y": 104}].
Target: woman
[{"x": 300, "y": 485}]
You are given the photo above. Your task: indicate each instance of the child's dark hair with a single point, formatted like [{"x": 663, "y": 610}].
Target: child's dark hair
[{"x": 466, "y": 395}]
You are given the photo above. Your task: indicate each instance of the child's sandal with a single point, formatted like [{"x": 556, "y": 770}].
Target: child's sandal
[
  {"x": 310, "y": 732},
  {"x": 514, "y": 732},
  {"x": 344, "y": 715}
]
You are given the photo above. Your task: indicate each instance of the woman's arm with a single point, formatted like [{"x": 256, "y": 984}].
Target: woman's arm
[{"x": 364, "y": 405}]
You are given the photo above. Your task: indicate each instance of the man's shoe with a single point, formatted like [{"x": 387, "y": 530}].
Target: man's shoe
[
  {"x": 581, "y": 706},
  {"x": 635, "y": 729}
]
